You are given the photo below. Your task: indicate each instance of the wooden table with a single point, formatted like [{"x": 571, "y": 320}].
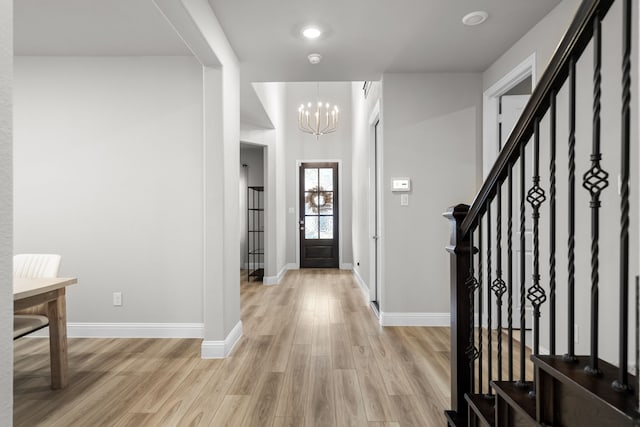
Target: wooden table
[{"x": 28, "y": 292}]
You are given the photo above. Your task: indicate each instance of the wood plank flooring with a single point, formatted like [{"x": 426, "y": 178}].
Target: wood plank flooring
[{"x": 312, "y": 354}]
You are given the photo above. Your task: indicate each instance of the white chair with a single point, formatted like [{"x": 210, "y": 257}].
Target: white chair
[{"x": 33, "y": 265}]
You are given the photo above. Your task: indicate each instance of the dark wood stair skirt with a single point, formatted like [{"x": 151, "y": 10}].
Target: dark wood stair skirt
[{"x": 565, "y": 396}]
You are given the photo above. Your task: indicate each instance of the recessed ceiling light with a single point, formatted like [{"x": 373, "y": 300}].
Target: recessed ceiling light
[
  {"x": 311, "y": 32},
  {"x": 475, "y": 18},
  {"x": 315, "y": 58}
]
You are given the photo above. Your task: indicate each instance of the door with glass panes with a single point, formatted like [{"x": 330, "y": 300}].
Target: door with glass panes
[{"x": 319, "y": 215}]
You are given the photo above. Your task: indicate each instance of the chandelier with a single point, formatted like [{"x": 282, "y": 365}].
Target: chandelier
[{"x": 322, "y": 121}]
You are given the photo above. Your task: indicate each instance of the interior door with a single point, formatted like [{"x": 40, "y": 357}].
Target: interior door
[{"x": 319, "y": 215}]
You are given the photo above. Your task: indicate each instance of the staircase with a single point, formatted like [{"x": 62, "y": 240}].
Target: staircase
[{"x": 500, "y": 268}]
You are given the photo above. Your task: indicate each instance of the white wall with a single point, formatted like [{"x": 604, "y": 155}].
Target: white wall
[
  {"x": 6, "y": 214},
  {"x": 108, "y": 173},
  {"x": 334, "y": 146},
  {"x": 431, "y": 128},
  {"x": 361, "y": 232},
  {"x": 273, "y": 97}
]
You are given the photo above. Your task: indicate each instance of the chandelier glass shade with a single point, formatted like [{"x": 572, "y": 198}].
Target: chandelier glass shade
[{"x": 318, "y": 119}]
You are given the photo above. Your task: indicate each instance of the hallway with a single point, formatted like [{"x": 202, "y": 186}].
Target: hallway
[{"x": 312, "y": 354}]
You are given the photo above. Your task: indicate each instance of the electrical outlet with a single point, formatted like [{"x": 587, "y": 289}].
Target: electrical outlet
[
  {"x": 404, "y": 200},
  {"x": 576, "y": 333},
  {"x": 117, "y": 299}
]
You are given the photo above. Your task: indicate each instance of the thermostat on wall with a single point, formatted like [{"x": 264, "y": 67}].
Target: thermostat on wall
[{"x": 400, "y": 184}]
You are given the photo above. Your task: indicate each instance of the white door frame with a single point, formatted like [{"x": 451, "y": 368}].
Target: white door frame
[
  {"x": 491, "y": 107},
  {"x": 340, "y": 218},
  {"x": 375, "y": 191}
]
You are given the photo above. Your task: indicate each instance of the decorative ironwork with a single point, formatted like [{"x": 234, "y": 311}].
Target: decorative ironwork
[
  {"x": 622, "y": 383},
  {"x": 480, "y": 305},
  {"x": 536, "y": 197},
  {"x": 498, "y": 286},
  {"x": 489, "y": 305},
  {"x": 595, "y": 180},
  {"x": 510, "y": 270},
  {"x": 472, "y": 284},
  {"x": 571, "y": 242},
  {"x": 523, "y": 322},
  {"x": 552, "y": 224}
]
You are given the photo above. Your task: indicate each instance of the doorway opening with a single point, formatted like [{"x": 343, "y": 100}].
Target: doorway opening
[{"x": 252, "y": 212}]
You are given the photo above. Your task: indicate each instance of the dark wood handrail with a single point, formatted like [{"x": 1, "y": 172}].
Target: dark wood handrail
[{"x": 572, "y": 45}]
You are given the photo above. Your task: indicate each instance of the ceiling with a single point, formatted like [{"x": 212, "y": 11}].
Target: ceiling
[
  {"x": 362, "y": 39},
  {"x": 93, "y": 28}
]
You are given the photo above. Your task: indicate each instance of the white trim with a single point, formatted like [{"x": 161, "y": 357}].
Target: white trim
[
  {"x": 346, "y": 266},
  {"x": 221, "y": 349},
  {"x": 415, "y": 319},
  {"x": 297, "y": 219},
  {"x": 363, "y": 286},
  {"x": 375, "y": 191},
  {"x": 275, "y": 280},
  {"x": 490, "y": 108},
  {"x": 130, "y": 330}
]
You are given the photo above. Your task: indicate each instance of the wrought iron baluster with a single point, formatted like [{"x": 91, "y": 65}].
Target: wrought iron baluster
[
  {"x": 480, "y": 333},
  {"x": 498, "y": 286},
  {"x": 522, "y": 269},
  {"x": 622, "y": 383},
  {"x": 489, "y": 305},
  {"x": 595, "y": 180},
  {"x": 536, "y": 197},
  {"x": 552, "y": 225},
  {"x": 472, "y": 284},
  {"x": 570, "y": 356},
  {"x": 510, "y": 270}
]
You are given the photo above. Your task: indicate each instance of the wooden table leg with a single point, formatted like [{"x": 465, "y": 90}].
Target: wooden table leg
[{"x": 58, "y": 340}]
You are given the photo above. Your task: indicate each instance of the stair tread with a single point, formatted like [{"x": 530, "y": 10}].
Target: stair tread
[
  {"x": 596, "y": 387},
  {"x": 483, "y": 406},
  {"x": 517, "y": 396}
]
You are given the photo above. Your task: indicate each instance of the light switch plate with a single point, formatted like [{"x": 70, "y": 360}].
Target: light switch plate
[{"x": 404, "y": 200}]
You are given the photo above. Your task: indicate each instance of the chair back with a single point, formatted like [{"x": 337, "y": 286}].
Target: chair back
[{"x": 36, "y": 265}]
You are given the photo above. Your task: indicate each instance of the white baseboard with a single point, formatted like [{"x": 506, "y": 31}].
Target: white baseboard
[
  {"x": 275, "y": 280},
  {"x": 221, "y": 349},
  {"x": 130, "y": 330},
  {"x": 362, "y": 284},
  {"x": 415, "y": 319},
  {"x": 346, "y": 266}
]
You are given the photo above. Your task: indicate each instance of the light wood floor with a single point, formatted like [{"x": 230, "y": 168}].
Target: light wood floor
[{"x": 312, "y": 354}]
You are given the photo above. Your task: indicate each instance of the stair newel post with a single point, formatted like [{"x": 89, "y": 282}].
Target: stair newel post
[
  {"x": 459, "y": 250},
  {"x": 622, "y": 383}
]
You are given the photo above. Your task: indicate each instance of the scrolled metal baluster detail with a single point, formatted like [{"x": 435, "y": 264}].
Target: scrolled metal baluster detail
[
  {"x": 510, "y": 270},
  {"x": 571, "y": 242},
  {"x": 472, "y": 284},
  {"x": 622, "y": 383},
  {"x": 489, "y": 306},
  {"x": 498, "y": 286},
  {"x": 536, "y": 197},
  {"x": 552, "y": 225},
  {"x": 595, "y": 180}
]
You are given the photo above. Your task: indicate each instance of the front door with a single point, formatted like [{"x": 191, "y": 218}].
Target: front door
[{"x": 319, "y": 215}]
